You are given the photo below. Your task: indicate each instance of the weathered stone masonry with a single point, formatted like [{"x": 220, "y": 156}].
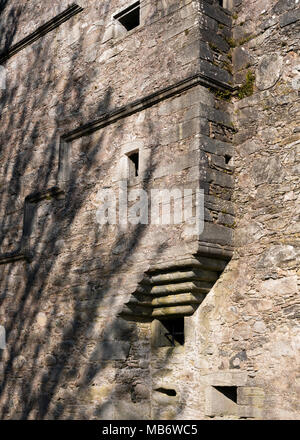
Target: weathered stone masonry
[{"x": 193, "y": 87}]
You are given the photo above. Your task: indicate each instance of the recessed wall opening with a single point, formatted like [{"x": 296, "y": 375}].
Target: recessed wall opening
[
  {"x": 168, "y": 332},
  {"x": 226, "y": 4},
  {"x": 227, "y": 158},
  {"x": 167, "y": 391},
  {"x": 133, "y": 164},
  {"x": 175, "y": 331},
  {"x": 129, "y": 17},
  {"x": 229, "y": 392}
]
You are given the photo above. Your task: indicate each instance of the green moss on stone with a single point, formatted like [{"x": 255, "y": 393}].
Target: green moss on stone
[
  {"x": 223, "y": 94},
  {"x": 245, "y": 39},
  {"x": 248, "y": 87},
  {"x": 231, "y": 42},
  {"x": 213, "y": 46}
]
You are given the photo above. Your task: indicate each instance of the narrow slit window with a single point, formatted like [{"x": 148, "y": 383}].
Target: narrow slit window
[
  {"x": 129, "y": 17},
  {"x": 133, "y": 162},
  {"x": 227, "y": 158}
]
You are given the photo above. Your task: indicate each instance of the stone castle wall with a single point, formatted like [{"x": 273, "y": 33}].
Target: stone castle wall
[{"x": 209, "y": 98}]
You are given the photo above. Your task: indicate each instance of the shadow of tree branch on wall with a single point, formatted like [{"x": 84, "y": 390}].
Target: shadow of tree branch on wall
[{"x": 59, "y": 307}]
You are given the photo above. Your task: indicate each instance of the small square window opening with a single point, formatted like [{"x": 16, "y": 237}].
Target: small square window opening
[
  {"x": 175, "y": 331},
  {"x": 129, "y": 17},
  {"x": 168, "y": 332},
  {"x": 133, "y": 164}
]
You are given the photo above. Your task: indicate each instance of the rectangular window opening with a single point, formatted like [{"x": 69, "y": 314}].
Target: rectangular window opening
[
  {"x": 133, "y": 162},
  {"x": 129, "y": 17},
  {"x": 226, "y": 4},
  {"x": 172, "y": 332}
]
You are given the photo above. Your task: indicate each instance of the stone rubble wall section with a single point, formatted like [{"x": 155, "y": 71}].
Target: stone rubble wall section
[{"x": 69, "y": 354}]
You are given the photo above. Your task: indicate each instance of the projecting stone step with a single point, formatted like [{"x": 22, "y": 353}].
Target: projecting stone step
[
  {"x": 173, "y": 289},
  {"x": 149, "y": 314},
  {"x": 167, "y": 300},
  {"x": 201, "y": 262},
  {"x": 136, "y": 311},
  {"x": 196, "y": 286},
  {"x": 140, "y": 302},
  {"x": 190, "y": 275},
  {"x": 173, "y": 300},
  {"x": 164, "y": 312},
  {"x": 135, "y": 307}
]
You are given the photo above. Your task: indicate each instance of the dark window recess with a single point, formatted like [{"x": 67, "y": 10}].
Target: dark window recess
[
  {"x": 129, "y": 17},
  {"x": 167, "y": 391},
  {"x": 229, "y": 392},
  {"x": 173, "y": 331},
  {"x": 133, "y": 159},
  {"x": 221, "y": 2},
  {"x": 227, "y": 158}
]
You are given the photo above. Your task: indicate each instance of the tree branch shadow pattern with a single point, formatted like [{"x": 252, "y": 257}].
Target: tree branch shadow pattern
[{"x": 29, "y": 389}]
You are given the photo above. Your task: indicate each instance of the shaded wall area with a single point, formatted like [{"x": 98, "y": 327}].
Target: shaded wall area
[{"x": 68, "y": 354}]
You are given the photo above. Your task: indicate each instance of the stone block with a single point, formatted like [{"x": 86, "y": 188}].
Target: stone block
[
  {"x": 226, "y": 378},
  {"x": 218, "y": 404},
  {"x": 217, "y": 234},
  {"x": 205, "y": 51},
  {"x": 241, "y": 58},
  {"x": 126, "y": 410},
  {"x": 283, "y": 6},
  {"x": 215, "y": 40},
  {"x": 251, "y": 396},
  {"x": 216, "y": 13},
  {"x": 290, "y": 17},
  {"x": 215, "y": 72},
  {"x": 269, "y": 71},
  {"x": 111, "y": 350},
  {"x": 220, "y": 178}
]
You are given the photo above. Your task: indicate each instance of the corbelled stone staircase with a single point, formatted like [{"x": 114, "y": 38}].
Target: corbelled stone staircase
[{"x": 174, "y": 289}]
